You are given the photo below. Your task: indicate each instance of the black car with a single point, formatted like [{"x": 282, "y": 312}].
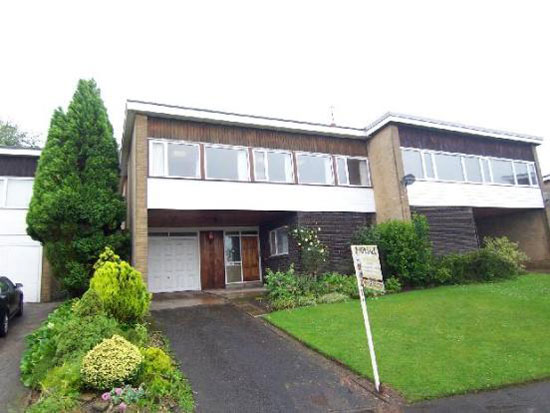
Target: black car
[{"x": 11, "y": 303}]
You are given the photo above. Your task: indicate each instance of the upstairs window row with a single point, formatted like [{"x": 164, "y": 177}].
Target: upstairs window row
[
  {"x": 15, "y": 192},
  {"x": 431, "y": 165},
  {"x": 182, "y": 160}
]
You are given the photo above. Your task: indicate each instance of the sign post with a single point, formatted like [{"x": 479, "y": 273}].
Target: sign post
[{"x": 369, "y": 274}]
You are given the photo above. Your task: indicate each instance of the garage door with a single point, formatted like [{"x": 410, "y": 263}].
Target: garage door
[
  {"x": 173, "y": 264},
  {"x": 22, "y": 263}
]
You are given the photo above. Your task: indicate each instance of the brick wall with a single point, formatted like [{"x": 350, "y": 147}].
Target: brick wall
[
  {"x": 337, "y": 229},
  {"x": 452, "y": 229}
]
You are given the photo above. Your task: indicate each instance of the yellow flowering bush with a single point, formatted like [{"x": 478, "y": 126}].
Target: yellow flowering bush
[
  {"x": 313, "y": 253},
  {"x": 120, "y": 288},
  {"x": 112, "y": 362}
]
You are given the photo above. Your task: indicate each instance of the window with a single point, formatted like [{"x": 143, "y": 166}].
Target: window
[
  {"x": 486, "y": 170},
  {"x": 503, "y": 172},
  {"x": 226, "y": 163},
  {"x": 273, "y": 166},
  {"x": 449, "y": 167},
  {"x": 15, "y": 192},
  {"x": 522, "y": 174},
  {"x": 314, "y": 169},
  {"x": 429, "y": 165},
  {"x": 278, "y": 241},
  {"x": 352, "y": 171},
  {"x": 533, "y": 174},
  {"x": 174, "y": 159},
  {"x": 412, "y": 163},
  {"x": 473, "y": 169}
]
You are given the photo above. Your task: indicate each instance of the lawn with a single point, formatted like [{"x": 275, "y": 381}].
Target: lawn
[{"x": 441, "y": 341}]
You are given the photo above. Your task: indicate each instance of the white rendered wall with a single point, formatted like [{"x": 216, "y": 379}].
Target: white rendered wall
[
  {"x": 441, "y": 194},
  {"x": 185, "y": 194}
]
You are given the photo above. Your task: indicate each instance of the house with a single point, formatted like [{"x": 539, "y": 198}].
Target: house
[
  {"x": 21, "y": 258},
  {"x": 212, "y": 195}
]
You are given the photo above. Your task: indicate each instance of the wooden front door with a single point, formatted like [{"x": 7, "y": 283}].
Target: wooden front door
[
  {"x": 212, "y": 260},
  {"x": 250, "y": 258}
]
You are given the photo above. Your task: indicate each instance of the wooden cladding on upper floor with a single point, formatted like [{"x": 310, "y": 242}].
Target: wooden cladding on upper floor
[
  {"x": 422, "y": 138},
  {"x": 253, "y": 137}
]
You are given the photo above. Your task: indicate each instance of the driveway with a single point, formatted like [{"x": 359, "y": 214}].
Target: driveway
[
  {"x": 11, "y": 347},
  {"x": 236, "y": 363}
]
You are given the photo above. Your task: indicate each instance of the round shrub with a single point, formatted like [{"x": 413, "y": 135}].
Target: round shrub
[
  {"x": 120, "y": 287},
  {"x": 112, "y": 362},
  {"x": 155, "y": 363}
]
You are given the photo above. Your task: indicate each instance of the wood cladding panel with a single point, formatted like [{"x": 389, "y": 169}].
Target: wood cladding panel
[
  {"x": 212, "y": 260},
  {"x": 416, "y": 137},
  {"x": 250, "y": 258},
  {"x": 21, "y": 166},
  {"x": 253, "y": 137}
]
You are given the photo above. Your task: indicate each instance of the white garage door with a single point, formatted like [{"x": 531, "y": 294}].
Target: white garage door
[
  {"x": 22, "y": 263},
  {"x": 173, "y": 264}
]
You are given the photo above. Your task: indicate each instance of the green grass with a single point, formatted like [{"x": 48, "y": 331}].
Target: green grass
[{"x": 440, "y": 341}]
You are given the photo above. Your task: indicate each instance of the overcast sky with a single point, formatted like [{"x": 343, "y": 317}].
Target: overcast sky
[{"x": 484, "y": 63}]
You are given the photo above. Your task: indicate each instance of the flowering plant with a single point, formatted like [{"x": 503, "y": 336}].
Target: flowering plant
[
  {"x": 313, "y": 252},
  {"x": 123, "y": 396}
]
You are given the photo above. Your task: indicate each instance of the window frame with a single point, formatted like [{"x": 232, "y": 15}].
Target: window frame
[
  {"x": 231, "y": 147},
  {"x": 275, "y": 231},
  {"x": 4, "y": 192},
  {"x": 318, "y": 155},
  {"x": 265, "y": 151},
  {"x": 165, "y": 143},
  {"x": 345, "y": 158},
  {"x": 486, "y": 180}
]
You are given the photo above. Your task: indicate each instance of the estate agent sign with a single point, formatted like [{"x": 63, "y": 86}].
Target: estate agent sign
[{"x": 369, "y": 275}]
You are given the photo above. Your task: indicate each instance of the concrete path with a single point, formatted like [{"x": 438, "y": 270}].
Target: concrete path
[
  {"x": 236, "y": 363},
  {"x": 528, "y": 398},
  {"x": 11, "y": 347}
]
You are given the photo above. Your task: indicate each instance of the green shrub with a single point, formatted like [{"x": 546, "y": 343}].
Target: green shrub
[
  {"x": 156, "y": 363},
  {"x": 89, "y": 305},
  {"x": 136, "y": 334},
  {"x": 112, "y": 362},
  {"x": 392, "y": 285},
  {"x": 79, "y": 335},
  {"x": 64, "y": 379},
  {"x": 121, "y": 288},
  {"x": 404, "y": 247},
  {"x": 507, "y": 250},
  {"x": 313, "y": 253},
  {"x": 41, "y": 346},
  {"x": 49, "y": 403},
  {"x": 332, "y": 298},
  {"x": 334, "y": 282}
]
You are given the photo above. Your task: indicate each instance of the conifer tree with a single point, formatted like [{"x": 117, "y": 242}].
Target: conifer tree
[{"x": 76, "y": 209}]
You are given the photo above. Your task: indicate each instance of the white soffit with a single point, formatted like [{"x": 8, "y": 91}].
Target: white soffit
[
  {"x": 448, "y": 126},
  {"x": 20, "y": 151}
]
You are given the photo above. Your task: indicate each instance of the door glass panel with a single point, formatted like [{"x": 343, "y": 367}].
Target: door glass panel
[
  {"x": 412, "y": 163},
  {"x": 502, "y": 172},
  {"x": 449, "y": 167},
  {"x": 473, "y": 170},
  {"x": 342, "y": 171},
  {"x": 233, "y": 273},
  {"x": 233, "y": 268},
  {"x": 183, "y": 160},
  {"x": 522, "y": 175}
]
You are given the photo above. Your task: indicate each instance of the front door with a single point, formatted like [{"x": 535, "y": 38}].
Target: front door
[
  {"x": 212, "y": 264},
  {"x": 251, "y": 261}
]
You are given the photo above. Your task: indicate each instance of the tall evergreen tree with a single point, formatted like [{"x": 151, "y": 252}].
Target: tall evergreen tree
[{"x": 76, "y": 209}]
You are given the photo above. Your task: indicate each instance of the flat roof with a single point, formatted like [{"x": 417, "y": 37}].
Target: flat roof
[
  {"x": 393, "y": 117},
  {"x": 16, "y": 151}
]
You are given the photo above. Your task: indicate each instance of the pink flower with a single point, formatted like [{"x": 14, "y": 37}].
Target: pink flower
[
  {"x": 118, "y": 391},
  {"x": 106, "y": 396},
  {"x": 122, "y": 406}
]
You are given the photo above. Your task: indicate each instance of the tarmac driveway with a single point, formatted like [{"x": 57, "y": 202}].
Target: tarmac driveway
[
  {"x": 236, "y": 363},
  {"x": 11, "y": 347}
]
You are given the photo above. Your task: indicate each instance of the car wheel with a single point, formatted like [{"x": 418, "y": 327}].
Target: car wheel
[
  {"x": 20, "y": 309},
  {"x": 4, "y": 325}
]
